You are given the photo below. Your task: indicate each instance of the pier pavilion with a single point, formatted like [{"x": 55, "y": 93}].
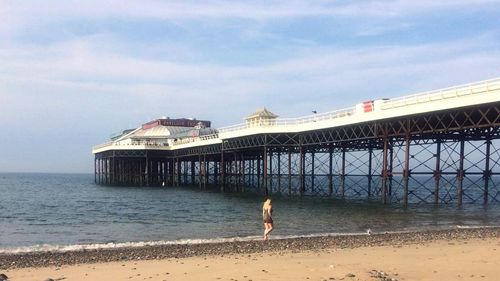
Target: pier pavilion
[{"x": 440, "y": 147}]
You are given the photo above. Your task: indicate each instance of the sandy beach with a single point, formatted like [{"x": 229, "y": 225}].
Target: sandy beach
[{"x": 442, "y": 255}]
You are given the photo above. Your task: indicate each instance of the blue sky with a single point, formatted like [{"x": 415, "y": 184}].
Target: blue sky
[{"x": 74, "y": 72}]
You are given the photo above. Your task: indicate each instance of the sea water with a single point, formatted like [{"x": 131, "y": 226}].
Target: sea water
[{"x": 69, "y": 211}]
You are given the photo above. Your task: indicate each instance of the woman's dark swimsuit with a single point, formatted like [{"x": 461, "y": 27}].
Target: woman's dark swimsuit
[{"x": 267, "y": 217}]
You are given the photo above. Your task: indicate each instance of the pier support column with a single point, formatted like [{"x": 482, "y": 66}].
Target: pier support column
[
  {"x": 102, "y": 173},
  {"x": 140, "y": 173},
  {"x": 487, "y": 172},
  {"x": 129, "y": 174},
  {"x": 437, "y": 171},
  {"x": 146, "y": 171},
  {"x": 172, "y": 171},
  {"x": 241, "y": 168},
  {"x": 185, "y": 170},
  {"x": 270, "y": 174},
  {"x": 205, "y": 171},
  {"x": 95, "y": 170},
  {"x": 249, "y": 171},
  {"x": 289, "y": 173},
  {"x": 162, "y": 172},
  {"x": 137, "y": 172},
  {"x": 193, "y": 170},
  {"x": 229, "y": 173},
  {"x": 236, "y": 172},
  {"x": 243, "y": 172},
  {"x": 129, "y": 168},
  {"x": 200, "y": 177},
  {"x": 390, "y": 169},
  {"x": 99, "y": 171},
  {"x": 312, "y": 171},
  {"x": 330, "y": 171},
  {"x": 384, "y": 170},
  {"x": 342, "y": 175},
  {"x": 171, "y": 168},
  {"x": 370, "y": 175},
  {"x": 251, "y": 175},
  {"x": 279, "y": 172},
  {"x": 119, "y": 172},
  {"x": 154, "y": 172},
  {"x": 178, "y": 171},
  {"x": 106, "y": 170},
  {"x": 259, "y": 187},
  {"x": 264, "y": 159},
  {"x": 301, "y": 170},
  {"x": 151, "y": 172},
  {"x": 460, "y": 173},
  {"x": 111, "y": 170},
  {"x": 406, "y": 171},
  {"x": 216, "y": 172},
  {"x": 222, "y": 172}
]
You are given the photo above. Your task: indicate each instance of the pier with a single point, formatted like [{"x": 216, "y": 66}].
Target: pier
[{"x": 440, "y": 147}]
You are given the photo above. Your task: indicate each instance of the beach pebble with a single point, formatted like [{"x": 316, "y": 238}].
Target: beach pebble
[
  {"x": 251, "y": 249},
  {"x": 49, "y": 279},
  {"x": 3, "y": 277},
  {"x": 350, "y": 275}
]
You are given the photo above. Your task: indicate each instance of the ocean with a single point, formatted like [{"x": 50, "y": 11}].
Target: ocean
[{"x": 50, "y": 212}]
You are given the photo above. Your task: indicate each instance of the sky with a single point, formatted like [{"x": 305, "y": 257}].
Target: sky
[{"x": 72, "y": 73}]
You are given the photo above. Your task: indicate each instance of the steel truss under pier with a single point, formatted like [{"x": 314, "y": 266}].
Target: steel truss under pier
[{"x": 443, "y": 157}]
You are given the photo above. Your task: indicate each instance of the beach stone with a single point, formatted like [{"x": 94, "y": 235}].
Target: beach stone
[
  {"x": 3, "y": 277},
  {"x": 249, "y": 248},
  {"x": 49, "y": 279},
  {"x": 350, "y": 275}
]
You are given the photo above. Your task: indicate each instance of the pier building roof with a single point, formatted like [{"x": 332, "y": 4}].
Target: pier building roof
[
  {"x": 179, "y": 122},
  {"x": 166, "y": 133},
  {"x": 159, "y": 131},
  {"x": 262, "y": 113}
]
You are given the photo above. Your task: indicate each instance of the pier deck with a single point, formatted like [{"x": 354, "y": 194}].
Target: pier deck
[{"x": 435, "y": 147}]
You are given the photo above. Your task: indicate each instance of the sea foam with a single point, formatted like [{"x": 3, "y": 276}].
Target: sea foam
[{"x": 115, "y": 245}]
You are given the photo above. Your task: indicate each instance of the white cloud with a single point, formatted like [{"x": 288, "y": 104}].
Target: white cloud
[
  {"x": 400, "y": 8},
  {"x": 101, "y": 83},
  {"x": 22, "y": 14},
  {"x": 81, "y": 66}
]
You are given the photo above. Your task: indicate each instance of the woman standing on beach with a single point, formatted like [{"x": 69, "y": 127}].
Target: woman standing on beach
[{"x": 267, "y": 212}]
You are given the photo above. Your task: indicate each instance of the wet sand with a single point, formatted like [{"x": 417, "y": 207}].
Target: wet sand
[{"x": 466, "y": 254}]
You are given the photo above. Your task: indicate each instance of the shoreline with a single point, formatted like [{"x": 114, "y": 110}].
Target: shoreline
[{"x": 290, "y": 245}]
